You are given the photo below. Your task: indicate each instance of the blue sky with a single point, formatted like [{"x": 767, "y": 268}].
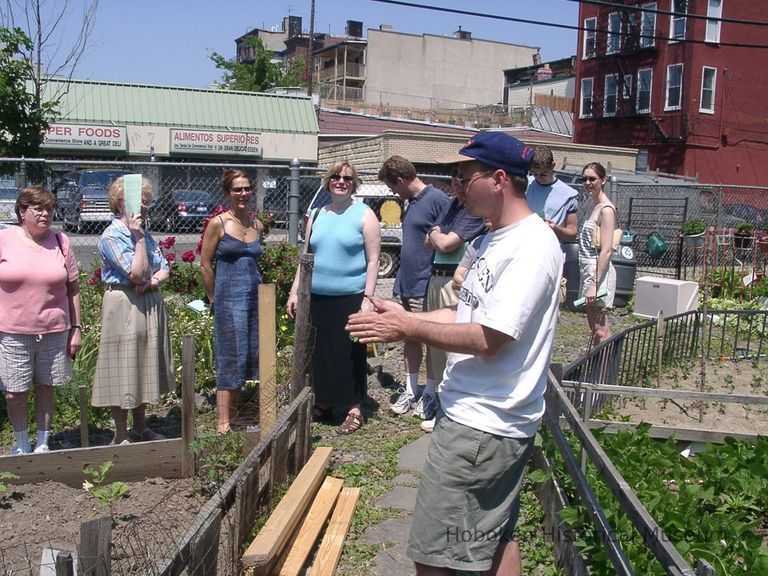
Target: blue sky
[{"x": 168, "y": 41}]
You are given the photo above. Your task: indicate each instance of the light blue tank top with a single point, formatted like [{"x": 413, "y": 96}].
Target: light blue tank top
[{"x": 339, "y": 249}]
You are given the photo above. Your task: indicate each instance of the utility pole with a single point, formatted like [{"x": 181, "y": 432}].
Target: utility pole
[{"x": 310, "y": 55}]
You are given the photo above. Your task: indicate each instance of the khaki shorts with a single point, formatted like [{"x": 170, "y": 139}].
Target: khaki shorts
[
  {"x": 468, "y": 499},
  {"x": 39, "y": 360}
]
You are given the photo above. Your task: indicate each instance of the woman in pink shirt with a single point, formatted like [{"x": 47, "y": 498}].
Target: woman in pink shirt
[{"x": 40, "y": 324}]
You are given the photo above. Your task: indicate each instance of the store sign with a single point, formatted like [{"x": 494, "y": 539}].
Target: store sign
[
  {"x": 85, "y": 137},
  {"x": 217, "y": 143}
]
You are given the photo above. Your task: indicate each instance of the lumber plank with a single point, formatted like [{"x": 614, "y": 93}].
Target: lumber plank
[
  {"x": 272, "y": 537},
  {"x": 267, "y": 358},
  {"x": 311, "y": 526},
  {"x": 132, "y": 463},
  {"x": 330, "y": 549}
]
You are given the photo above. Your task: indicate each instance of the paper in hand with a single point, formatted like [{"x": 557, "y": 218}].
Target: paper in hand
[{"x": 132, "y": 187}]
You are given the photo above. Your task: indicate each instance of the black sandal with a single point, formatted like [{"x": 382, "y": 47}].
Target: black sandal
[
  {"x": 352, "y": 423},
  {"x": 322, "y": 414}
]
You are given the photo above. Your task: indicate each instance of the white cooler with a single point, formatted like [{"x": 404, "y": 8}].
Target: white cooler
[{"x": 654, "y": 295}]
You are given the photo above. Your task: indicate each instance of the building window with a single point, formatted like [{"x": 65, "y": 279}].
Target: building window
[
  {"x": 586, "y": 98},
  {"x": 609, "y": 96},
  {"x": 714, "y": 10},
  {"x": 626, "y": 89},
  {"x": 674, "y": 87},
  {"x": 644, "y": 80},
  {"x": 590, "y": 38},
  {"x": 648, "y": 26},
  {"x": 708, "y": 78},
  {"x": 614, "y": 33},
  {"x": 677, "y": 20}
]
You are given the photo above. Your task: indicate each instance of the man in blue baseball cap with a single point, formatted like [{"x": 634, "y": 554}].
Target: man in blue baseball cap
[{"x": 492, "y": 395}]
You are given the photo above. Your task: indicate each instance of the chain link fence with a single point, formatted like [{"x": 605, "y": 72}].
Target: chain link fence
[{"x": 187, "y": 193}]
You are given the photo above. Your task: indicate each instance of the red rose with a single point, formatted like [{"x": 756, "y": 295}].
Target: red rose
[
  {"x": 97, "y": 273},
  {"x": 170, "y": 256},
  {"x": 91, "y": 281},
  {"x": 170, "y": 241},
  {"x": 188, "y": 256}
]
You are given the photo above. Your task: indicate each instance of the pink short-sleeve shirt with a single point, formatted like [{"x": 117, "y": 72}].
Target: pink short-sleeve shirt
[{"x": 33, "y": 284}]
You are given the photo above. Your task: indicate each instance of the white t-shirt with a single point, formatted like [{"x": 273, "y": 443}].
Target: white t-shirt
[{"x": 511, "y": 287}]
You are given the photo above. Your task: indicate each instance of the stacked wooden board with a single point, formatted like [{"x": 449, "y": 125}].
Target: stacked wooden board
[{"x": 286, "y": 541}]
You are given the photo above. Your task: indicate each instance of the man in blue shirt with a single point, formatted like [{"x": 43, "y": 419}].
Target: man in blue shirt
[
  {"x": 424, "y": 206},
  {"x": 550, "y": 198}
]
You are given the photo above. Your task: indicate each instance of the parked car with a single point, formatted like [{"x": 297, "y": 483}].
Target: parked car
[
  {"x": 8, "y": 195},
  {"x": 81, "y": 198},
  {"x": 181, "y": 210},
  {"x": 388, "y": 208},
  {"x": 746, "y": 212}
]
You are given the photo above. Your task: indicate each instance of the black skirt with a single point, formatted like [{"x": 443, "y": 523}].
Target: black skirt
[{"x": 339, "y": 371}]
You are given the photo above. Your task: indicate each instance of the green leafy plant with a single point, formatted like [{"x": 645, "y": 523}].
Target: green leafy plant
[
  {"x": 744, "y": 229},
  {"x": 218, "y": 455},
  {"x": 693, "y": 226},
  {"x": 106, "y": 494},
  {"x": 6, "y": 476},
  {"x": 710, "y": 506},
  {"x": 278, "y": 265}
]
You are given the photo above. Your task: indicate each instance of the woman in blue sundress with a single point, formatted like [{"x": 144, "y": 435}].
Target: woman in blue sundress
[{"x": 230, "y": 268}]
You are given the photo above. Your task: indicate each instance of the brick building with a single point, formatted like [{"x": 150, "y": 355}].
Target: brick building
[{"x": 681, "y": 81}]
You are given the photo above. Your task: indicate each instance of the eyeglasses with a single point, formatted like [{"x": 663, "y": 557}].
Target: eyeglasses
[
  {"x": 40, "y": 209},
  {"x": 241, "y": 190},
  {"x": 467, "y": 181},
  {"x": 589, "y": 178},
  {"x": 347, "y": 179}
]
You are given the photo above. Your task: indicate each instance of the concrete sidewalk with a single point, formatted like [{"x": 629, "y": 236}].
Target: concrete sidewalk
[{"x": 392, "y": 561}]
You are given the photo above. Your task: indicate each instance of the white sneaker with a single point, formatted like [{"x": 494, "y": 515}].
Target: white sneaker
[
  {"x": 426, "y": 407},
  {"x": 428, "y": 425},
  {"x": 19, "y": 450},
  {"x": 42, "y": 449},
  {"x": 404, "y": 402}
]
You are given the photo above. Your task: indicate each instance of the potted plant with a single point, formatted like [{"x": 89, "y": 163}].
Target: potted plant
[
  {"x": 743, "y": 237},
  {"x": 693, "y": 233}
]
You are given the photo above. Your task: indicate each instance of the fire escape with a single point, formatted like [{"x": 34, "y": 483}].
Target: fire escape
[{"x": 670, "y": 127}]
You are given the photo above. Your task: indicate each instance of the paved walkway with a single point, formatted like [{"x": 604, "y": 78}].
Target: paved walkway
[{"x": 392, "y": 561}]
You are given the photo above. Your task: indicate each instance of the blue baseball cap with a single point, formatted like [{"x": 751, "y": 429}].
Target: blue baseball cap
[{"x": 497, "y": 150}]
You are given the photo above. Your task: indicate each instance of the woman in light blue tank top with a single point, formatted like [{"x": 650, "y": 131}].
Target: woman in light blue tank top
[{"x": 345, "y": 238}]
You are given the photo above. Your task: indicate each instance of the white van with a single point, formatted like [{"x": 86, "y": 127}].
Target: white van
[{"x": 388, "y": 208}]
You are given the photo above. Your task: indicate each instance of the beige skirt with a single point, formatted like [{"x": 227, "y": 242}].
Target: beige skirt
[{"x": 135, "y": 362}]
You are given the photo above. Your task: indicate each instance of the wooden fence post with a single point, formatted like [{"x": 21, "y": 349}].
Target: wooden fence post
[
  {"x": 83, "y": 416},
  {"x": 267, "y": 358},
  {"x": 302, "y": 348},
  {"x": 64, "y": 564},
  {"x": 93, "y": 554},
  {"x": 187, "y": 404}
]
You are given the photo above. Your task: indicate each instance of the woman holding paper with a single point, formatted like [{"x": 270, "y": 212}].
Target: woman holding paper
[
  {"x": 135, "y": 364},
  {"x": 233, "y": 240},
  {"x": 598, "y": 276}
]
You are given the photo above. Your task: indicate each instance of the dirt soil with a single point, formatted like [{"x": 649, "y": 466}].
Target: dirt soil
[
  {"x": 157, "y": 511},
  {"x": 723, "y": 377}
]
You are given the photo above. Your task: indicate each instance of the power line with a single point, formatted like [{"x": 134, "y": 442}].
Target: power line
[
  {"x": 557, "y": 25},
  {"x": 669, "y": 12}
]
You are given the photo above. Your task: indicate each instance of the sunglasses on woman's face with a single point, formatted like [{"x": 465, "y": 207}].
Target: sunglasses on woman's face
[
  {"x": 347, "y": 179},
  {"x": 241, "y": 190},
  {"x": 589, "y": 178}
]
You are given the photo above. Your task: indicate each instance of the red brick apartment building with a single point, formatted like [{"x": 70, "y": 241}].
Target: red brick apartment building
[{"x": 684, "y": 81}]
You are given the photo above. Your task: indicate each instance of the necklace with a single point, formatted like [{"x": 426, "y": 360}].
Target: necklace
[{"x": 243, "y": 226}]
